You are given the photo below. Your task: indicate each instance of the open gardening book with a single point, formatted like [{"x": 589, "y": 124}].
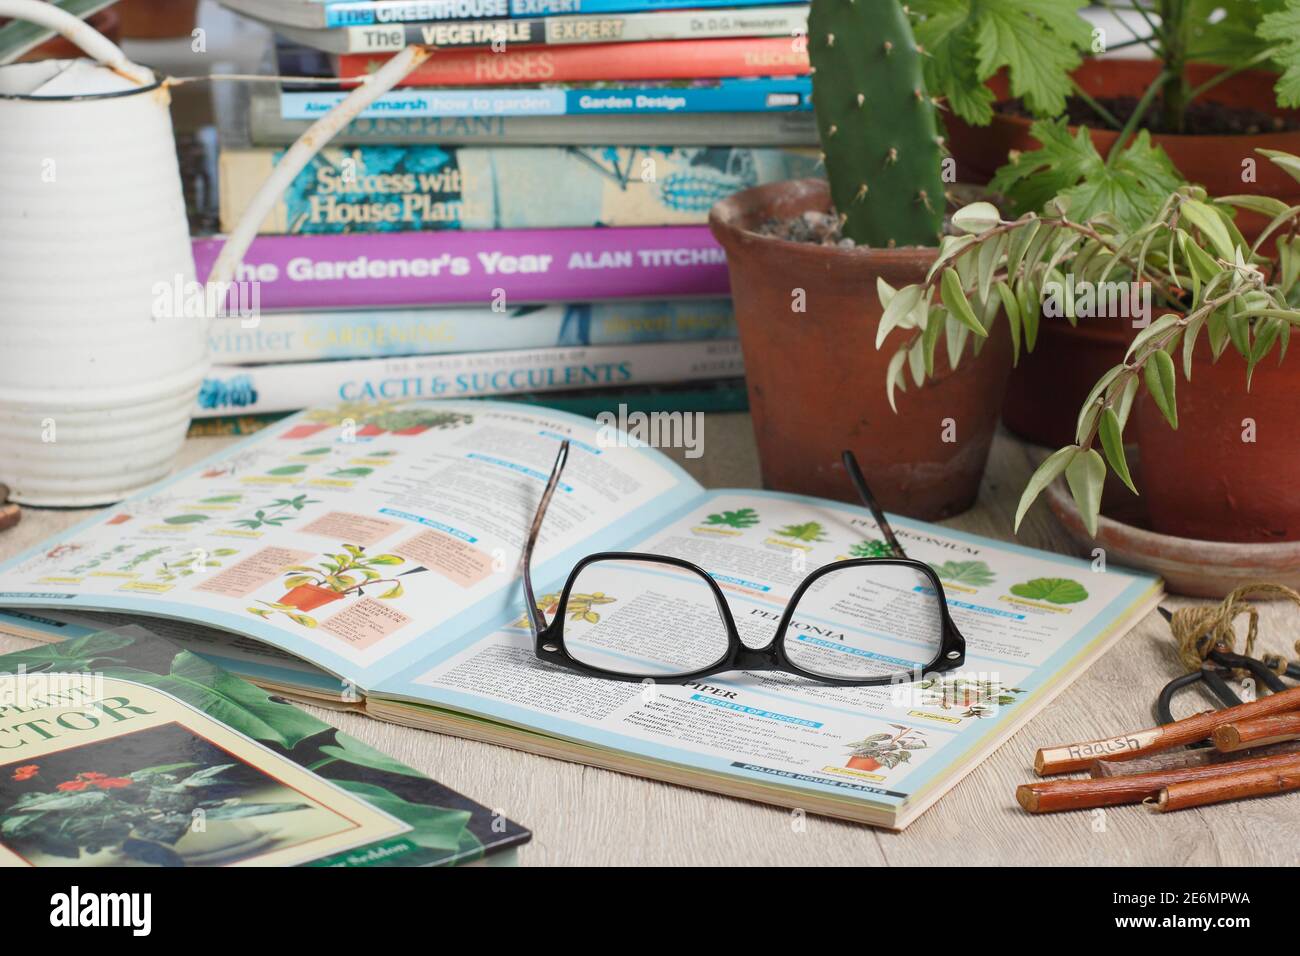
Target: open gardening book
[
  {"x": 368, "y": 556},
  {"x": 122, "y": 749}
]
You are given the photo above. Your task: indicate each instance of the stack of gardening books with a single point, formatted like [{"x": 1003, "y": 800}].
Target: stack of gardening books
[{"x": 525, "y": 213}]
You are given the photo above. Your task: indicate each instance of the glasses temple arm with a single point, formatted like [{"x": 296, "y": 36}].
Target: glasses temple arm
[
  {"x": 535, "y": 616},
  {"x": 869, "y": 500}
]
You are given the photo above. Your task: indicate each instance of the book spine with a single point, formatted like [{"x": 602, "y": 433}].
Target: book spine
[
  {"x": 373, "y": 12},
  {"x": 782, "y": 21},
  {"x": 661, "y": 60},
  {"x": 259, "y": 389},
  {"x": 502, "y": 268},
  {"x": 352, "y": 334},
  {"x": 268, "y": 127},
  {"x": 419, "y": 187},
  {"x": 722, "y": 96}
]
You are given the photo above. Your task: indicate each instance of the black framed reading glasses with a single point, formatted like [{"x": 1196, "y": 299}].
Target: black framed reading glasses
[{"x": 856, "y": 622}]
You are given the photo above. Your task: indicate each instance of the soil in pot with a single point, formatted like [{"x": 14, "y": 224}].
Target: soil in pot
[
  {"x": 1232, "y": 120},
  {"x": 807, "y": 314},
  {"x": 1231, "y": 471}
]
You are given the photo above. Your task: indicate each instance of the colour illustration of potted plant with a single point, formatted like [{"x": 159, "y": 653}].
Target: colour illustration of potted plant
[
  {"x": 808, "y": 532},
  {"x": 886, "y": 750},
  {"x": 740, "y": 519},
  {"x": 804, "y": 257},
  {"x": 337, "y": 576},
  {"x": 280, "y": 511}
]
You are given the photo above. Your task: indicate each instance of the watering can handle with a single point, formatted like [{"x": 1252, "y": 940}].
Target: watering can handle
[
  {"x": 290, "y": 164},
  {"x": 300, "y": 154},
  {"x": 90, "y": 40}
]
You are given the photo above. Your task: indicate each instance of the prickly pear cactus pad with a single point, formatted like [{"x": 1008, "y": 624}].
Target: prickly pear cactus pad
[{"x": 877, "y": 124}]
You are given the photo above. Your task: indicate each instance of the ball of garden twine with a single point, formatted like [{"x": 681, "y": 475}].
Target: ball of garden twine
[{"x": 1201, "y": 629}]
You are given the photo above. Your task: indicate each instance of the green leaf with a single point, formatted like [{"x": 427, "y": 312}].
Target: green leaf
[
  {"x": 968, "y": 41},
  {"x": 74, "y": 655},
  {"x": 1086, "y": 476},
  {"x": 1159, "y": 373},
  {"x": 954, "y": 299},
  {"x": 185, "y": 519},
  {"x": 976, "y": 217},
  {"x": 900, "y": 305},
  {"x": 353, "y": 751},
  {"x": 1052, "y": 590},
  {"x": 1012, "y": 308},
  {"x": 1283, "y": 26},
  {"x": 1131, "y": 188},
  {"x": 240, "y": 811},
  {"x": 894, "y": 376},
  {"x": 435, "y": 828},
  {"x": 975, "y": 574},
  {"x": 395, "y": 591},
  {"x": 1046, "y": 473},
  {"x": 229, "y": 700},
  {"x": 1207, "y": 220},
  {"x": 1111, "y": 433}
]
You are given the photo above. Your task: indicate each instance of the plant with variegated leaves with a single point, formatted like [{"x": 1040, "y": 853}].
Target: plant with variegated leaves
[{"x": 1202, "y": 275}]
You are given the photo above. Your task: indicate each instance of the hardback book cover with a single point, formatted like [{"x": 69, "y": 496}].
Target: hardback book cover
[{"x": 121, "y": 749}]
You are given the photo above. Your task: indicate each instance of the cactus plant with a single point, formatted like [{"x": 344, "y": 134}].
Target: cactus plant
[{"x": 877, "y": 124}]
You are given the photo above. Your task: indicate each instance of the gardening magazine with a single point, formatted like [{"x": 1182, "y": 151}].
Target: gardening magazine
[
  {"x": 367, "y": 556},
  {"x": 123, "y": 749}
]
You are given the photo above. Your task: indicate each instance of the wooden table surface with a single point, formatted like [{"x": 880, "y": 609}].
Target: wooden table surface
[{"x": 580, "y": 815}]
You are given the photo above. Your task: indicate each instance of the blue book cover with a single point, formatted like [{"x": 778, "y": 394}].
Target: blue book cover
[
  {"x": 422, "y": 187},
  {"x": 732, "y": 95},
  {"x": 358, "y": 14},
  {"x": 375, "y": 333}
]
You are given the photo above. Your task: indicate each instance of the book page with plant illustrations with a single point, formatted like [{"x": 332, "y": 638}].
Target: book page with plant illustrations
[
  {"x": 356, "y": 537},
  {"x": 1031, "y": 620}
]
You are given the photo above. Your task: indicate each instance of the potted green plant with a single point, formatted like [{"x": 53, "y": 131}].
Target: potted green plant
[
  {"x": 1206, "y": 92},
  {"x": 885, "y": 750},
  {"x": 1225, "y": 305},
  {"x": 803, "y": 280}
]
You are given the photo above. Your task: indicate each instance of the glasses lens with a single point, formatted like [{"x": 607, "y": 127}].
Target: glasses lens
[
  {"x": 643, "y": 619},
  {"x": 867, "y": 621}
]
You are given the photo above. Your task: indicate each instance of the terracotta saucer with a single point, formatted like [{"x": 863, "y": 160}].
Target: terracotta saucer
[{"x": 1194, "y": 568}]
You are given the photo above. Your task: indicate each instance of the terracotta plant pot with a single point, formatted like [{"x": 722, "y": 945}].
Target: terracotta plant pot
[
  {"x": 308, "y": 597},
  {"x": 1213, "y": 161},
  {"x": 817, "y": 382},
  {"x": 1046, "y": 389},
  {"x": 1207, "y": 481},
  {"x": 863, "y": 763},
  {"x": 158, "y": 19}
]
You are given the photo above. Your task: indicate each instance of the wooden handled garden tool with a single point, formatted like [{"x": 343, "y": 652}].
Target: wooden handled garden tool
[{"x": 1206, "y": 644}]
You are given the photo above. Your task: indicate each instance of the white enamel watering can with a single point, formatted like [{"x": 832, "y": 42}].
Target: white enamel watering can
[{"x": 100, "y": 358}]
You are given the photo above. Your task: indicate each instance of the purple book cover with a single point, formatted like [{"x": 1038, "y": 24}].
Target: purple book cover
[{"x": 517, "y": 266}]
